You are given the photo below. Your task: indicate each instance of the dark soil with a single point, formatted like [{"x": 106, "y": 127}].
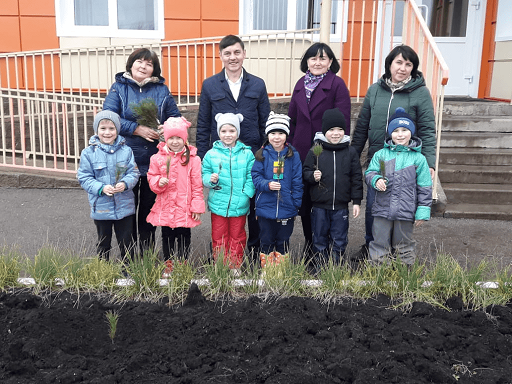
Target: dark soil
[{"x": 56, "y": 338}]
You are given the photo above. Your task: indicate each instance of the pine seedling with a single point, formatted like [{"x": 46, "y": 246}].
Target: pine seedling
[
  {"x": 112, "y": 318},
  {"x": 382, "y": 167},
  {"x": 146, "y": 112},
  {"x": 120, "y": 171},
  {"x": 317, "y": 151}
]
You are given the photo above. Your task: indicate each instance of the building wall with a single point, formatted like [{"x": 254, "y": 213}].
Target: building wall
[{"x": 501, "y": 83}]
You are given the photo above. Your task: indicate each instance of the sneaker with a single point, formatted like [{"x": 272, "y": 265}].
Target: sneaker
[
  {"x": 362, "y": 254},
  {"x": 168, "y": 269}
]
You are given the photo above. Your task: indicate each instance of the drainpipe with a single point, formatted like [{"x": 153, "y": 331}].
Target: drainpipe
[{"x": 325, "y": 21}]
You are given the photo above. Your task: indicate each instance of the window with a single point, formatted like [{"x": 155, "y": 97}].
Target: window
[
  {"x": 289, "y": 15},
  {"x": 110, "y": 18}
]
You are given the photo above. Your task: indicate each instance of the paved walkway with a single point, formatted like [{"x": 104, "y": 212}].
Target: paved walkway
[{"x": 33, "y": 217}]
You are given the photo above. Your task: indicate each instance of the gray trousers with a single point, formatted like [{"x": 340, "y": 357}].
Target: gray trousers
[{"x": 389, "y": 235}]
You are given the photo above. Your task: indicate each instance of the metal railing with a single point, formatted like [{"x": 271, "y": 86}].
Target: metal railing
[{"x": 50, "y": 96}]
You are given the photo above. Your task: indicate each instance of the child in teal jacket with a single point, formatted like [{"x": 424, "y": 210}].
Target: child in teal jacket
[
  {"x": 401, "y": 176},
  {"x": 227, "y": 173}
]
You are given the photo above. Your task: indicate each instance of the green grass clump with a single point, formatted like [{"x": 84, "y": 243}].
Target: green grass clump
[
  {"x": 179, "y": 281},
  {"x": 10, "y": 267},
  {"x": 93, "y": 274},
  {"x": 145, "y": 272},
  {"x": 48, "y": 265}
]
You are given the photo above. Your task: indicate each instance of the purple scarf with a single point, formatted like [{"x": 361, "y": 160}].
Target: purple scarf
[{"x": 311, "y": 82}]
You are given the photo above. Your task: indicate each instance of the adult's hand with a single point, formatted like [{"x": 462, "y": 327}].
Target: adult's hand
[{"x": 146, "y": 133}]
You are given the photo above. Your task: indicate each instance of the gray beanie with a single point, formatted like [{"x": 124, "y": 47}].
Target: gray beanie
[
  {"x": 229, "y": 118},
  {"x": 107, "y": 115}
]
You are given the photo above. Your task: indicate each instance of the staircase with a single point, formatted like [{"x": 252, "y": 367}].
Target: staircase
[{"x": 475, "y": 164}]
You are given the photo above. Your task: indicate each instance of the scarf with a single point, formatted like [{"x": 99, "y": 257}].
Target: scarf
[
  {"x": 396, "y": 86},
  {"x": 311, "y": 82},
  {"x": 153, "y": 79}
]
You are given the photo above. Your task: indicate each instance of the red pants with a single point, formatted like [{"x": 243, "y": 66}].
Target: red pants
[{"x": 229, "y": 238}]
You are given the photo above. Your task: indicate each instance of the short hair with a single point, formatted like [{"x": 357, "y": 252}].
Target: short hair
[
  {"x": 322, "y": 49},
  {"x": 230, "y": 40},
  {"x": 144, "y": 54},
  {"x": 408, "y": 54}
]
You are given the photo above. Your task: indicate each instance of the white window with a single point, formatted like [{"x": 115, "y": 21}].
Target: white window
[
  {"x": 110, "y": 18},
  {"x": 290, "y": 15}
]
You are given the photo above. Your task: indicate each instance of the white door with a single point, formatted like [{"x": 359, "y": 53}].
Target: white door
[{"x": 457, "y": 27}]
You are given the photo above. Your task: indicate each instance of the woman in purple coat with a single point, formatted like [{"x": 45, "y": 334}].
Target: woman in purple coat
[{"x": 317, "y": 91}]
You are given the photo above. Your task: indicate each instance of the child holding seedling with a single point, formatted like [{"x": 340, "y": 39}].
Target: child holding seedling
[
  {"x": 401, "y": 177},
  {"x": 227, "y": 173},
  {"x": 108, "y": 173},
  {"x": 277, "y": 177},
  {"x": 333, "y": 171},
  {"x": 175, "y": 176}
]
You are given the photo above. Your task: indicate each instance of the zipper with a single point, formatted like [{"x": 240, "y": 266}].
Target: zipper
[
  {"x": 231, "y": 181},
  {"x": 278, "y": 192},
  {"x": 334, "y": 190},
  {"x": 389, "y": 107}
]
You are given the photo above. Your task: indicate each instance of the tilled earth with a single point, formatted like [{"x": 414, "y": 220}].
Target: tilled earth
[{"x": 60, "y": 338}]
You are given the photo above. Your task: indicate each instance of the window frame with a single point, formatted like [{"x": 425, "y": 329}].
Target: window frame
[
  {"x": 65, "y": 11},
  {"x": 246, "y": 20}
]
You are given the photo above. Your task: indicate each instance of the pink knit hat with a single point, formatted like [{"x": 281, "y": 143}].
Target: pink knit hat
[{"x": 176, "y": 126}]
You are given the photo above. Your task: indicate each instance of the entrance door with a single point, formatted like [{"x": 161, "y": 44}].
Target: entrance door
[{"x": 457, "y": 27}]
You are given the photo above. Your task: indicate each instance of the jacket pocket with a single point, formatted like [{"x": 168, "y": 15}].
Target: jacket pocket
[{"x": 101, "y": 172}]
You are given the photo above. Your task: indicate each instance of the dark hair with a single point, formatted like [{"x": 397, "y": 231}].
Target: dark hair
[
  {"x": 408, "y": 54},
  {"x": 144, "y": 54},
  {"x": 322, "y": 49},
  {"x": 259, "y": 153},
  {"x": 230, "y": 40}
]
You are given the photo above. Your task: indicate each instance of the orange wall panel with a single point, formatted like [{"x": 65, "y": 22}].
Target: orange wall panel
[
  {"x": 219, "y": 28},
  {"x": 11, "y": 73},
  {"x": 190, "y": 9},
  {"x": 9, "y": 7},
  {"x": 219, "y": 10},
  {"x": 37, "y": 7},
  {"x": 182, "y": 29},
  {"x": 38, "y": 33},
  {"x": 9, "y": 26}
]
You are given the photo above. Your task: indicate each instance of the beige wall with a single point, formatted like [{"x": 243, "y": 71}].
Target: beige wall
[{"x": 501, "y": 85}]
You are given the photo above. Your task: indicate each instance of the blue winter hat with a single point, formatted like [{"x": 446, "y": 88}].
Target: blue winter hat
[
  {"x": 107, "y": 115},
  {"x": 401, "y": 119}
]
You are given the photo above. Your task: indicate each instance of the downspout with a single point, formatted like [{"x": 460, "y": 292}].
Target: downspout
[{"x": 325, "y": 21}]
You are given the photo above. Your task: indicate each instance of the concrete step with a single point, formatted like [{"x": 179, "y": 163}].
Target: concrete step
[
  {"x": 482, "y": 174},
  {"x": 458, "y": 193},
  {"x": 477, "y": 123},
  {"x": 476, "y": 140},
  {"x": 475, "y": 156},
  {"x": 478, "y": 211},
  {"x": 470, "y": 107}
]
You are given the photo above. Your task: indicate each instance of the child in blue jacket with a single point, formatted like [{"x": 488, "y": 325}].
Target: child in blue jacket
[
  {"x": 277, "y": 177},
  {"x": 108, "y": 173},
  {"x": 227, "y": 173},
  {"x": 401, "y": 176}
]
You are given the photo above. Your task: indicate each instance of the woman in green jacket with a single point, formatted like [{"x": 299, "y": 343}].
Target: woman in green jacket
[
  {"x": 402, "y": 85},
  {"x": 227, "y": 173}
]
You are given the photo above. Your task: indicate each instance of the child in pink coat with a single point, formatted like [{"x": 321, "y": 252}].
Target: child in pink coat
[{"x": 175, "y": 176}]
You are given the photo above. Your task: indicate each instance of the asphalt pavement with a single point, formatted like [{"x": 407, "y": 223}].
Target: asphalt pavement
[{"x": 31, "y": 218}]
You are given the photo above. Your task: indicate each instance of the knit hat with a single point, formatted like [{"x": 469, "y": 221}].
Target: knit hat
[
  {"x": 400, "y": 119},
  {"x": 229, "y": 118},
  {"x": 277, "y": 122},
  {"x": 176, "y": 126},
  {"x": 107, "y": 115},
  {"x": 333, "y": 118}
]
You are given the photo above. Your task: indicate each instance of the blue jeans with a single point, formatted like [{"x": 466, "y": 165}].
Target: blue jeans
[
  {"x": 330, "y": 233},
  {"x": 275, "y": 235},
  {"x": 368, "y": 218}
]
